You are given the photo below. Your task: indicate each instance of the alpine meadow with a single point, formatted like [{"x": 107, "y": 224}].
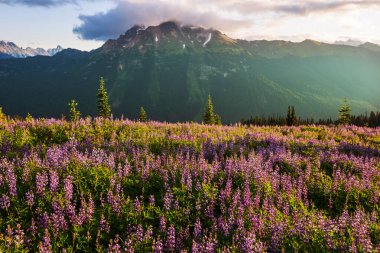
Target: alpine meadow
[{"x": 219, "y": 126}]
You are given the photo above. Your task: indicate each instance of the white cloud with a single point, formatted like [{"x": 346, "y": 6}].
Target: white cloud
[{"x": 111, "y": 24}]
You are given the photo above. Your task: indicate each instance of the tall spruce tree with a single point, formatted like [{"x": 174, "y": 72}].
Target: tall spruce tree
[
  {"x": 142, "y": 116},
  {"x": 104, "y": 109},
  {"x": 289, "y": 117},
  {"x": 74, "y": 113},
  {"x": 293, "y": 116},
  {"x": 209, "y": 115},
  {"x": 344, "y": 117}
]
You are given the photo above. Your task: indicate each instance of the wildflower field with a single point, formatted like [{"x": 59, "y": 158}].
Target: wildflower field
[{"x": 98, "y": 185}]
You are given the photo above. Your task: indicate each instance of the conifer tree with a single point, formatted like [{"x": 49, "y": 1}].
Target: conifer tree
[
  {"x": 3, "y": 117},
  {"x": 289, "y": 117},
  {"x": 293, "y": 116},
  {"x": 217, "y": 119},
  {"x": 344, "y": 117},
  {"x": 28, "y": 117},
  {"x": 104, "y": 109},
  {"x": 74, "y": 113},
  {"x": 209, "y": 116},
  {"x": 142, "y": 116}
]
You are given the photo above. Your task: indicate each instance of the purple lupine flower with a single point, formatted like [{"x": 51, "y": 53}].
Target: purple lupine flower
[
  {"x": 168, "y": 198},
  {"x": 41, "y": 182},
  {"x": 5, "y": 203},
  {"x": 139, "y": 233},
  {"x": 90, "y": 208},
  {"x": 114, "y": 246},
  {"x": 12, "y": 182},
  {"x": 68, "y": 188},
  {"x": 137, "y": 205},
  {"x": 195, "y": 247},
  {"x": 54, "y": 181},
  {"x": 162, "y": 224},
  {"x": 104, "y": 225},
  {"x": 151, "y": 200},
  {"x": 29, "y": 196},
  {"x": 33, "y": 228},
  {"x": 128, "y": 246},
  {"x": 170, "y": 239},
  {"x": 148, "y": 233},
  {"x": 197, "y": 229},
  {"x": 70, "y": 212},
  {"x": 158, "y": 246},
  {"x": 44, "y": 220},
  {"x": 45, "y": 246}
]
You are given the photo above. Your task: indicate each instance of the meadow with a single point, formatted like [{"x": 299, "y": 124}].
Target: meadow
[{"x": 99, "y": 185}]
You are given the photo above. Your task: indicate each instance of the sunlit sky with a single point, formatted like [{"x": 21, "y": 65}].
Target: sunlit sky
[{"x": 86, "y": 24}]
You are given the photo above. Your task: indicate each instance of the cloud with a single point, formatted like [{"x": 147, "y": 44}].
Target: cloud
[
  {"x": 103, "y": 26},
  {"x": 237, "y": 18},
  {"x": 43, "y": 3},
  {"x": 300, "y": 8}
]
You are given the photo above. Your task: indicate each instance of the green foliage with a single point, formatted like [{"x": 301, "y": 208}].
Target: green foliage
[
  {"x": 2, "y": 115},
  {"x": 104, "y": 109},
  {"x": 29, "y": 117},
  {"x": 209, "y": 116},
  {"x": 74, "y": 113},
  {"x": 285, "y": 73},
  {"x": 344, "y": 113},
  {"x": 115, "y": 162},
  {"x": 142, "y": 115},
  {"x": 217, "y": 119},
  {"x": 291, "y": 118}
]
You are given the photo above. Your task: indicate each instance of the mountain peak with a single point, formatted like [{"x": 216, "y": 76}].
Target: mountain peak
[
  {"x": 10, "y": 48},
  {"x": 169, "y": 35},
  {"x": 169, "y": 25},
  {"x": 312, "y": 42},
  {"x": 370, "y": 46}
]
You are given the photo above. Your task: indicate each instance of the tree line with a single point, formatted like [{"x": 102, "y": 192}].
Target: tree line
[
  {"x": 344, "y": 118},
  {"x": 104, "y": 108},
  {"x": 211, "y": 118}
]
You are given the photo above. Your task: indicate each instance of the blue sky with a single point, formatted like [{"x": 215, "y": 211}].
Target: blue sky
[{"x": 85, "y": 24}]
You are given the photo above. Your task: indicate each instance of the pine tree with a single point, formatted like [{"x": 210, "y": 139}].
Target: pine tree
[
  {"x": 217, "y": 119},
  {"x": 209, "y": 116},
  {"x": 293, "y": 116},
  {"x": 3, "y": 117},
  {"x": 74, "y": 113},
  {"x": 104, "y": 109},
  {"x": 142, "y": 116},
  {"x": 289, "y": 117},
  {"x": 28, "y": 117},
  {"x": 344, "y": 117}
]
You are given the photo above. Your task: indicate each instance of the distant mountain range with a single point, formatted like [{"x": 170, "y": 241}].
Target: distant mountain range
[
  {"x": 11, "y": 50},
  {"x": 170, "y": 69}
]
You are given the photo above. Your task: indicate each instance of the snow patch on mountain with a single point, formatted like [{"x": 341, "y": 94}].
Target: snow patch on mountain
[{"x": 208, "y": 40}]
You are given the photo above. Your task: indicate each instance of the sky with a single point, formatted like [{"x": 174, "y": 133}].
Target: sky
[{"x": 86, "y": 24}]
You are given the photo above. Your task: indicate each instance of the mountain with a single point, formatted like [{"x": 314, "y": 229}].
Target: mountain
[
  {"x": 371, "y": 46},
  {"x": 349, "y": 42},
  {"x": 170, "y": 69},
  {"x": 10, "y": 48}
]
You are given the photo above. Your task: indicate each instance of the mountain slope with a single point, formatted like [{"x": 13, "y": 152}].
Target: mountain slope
[
  {"x": 170, "y": 70},
  {"x": 13, "y": 50}
]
